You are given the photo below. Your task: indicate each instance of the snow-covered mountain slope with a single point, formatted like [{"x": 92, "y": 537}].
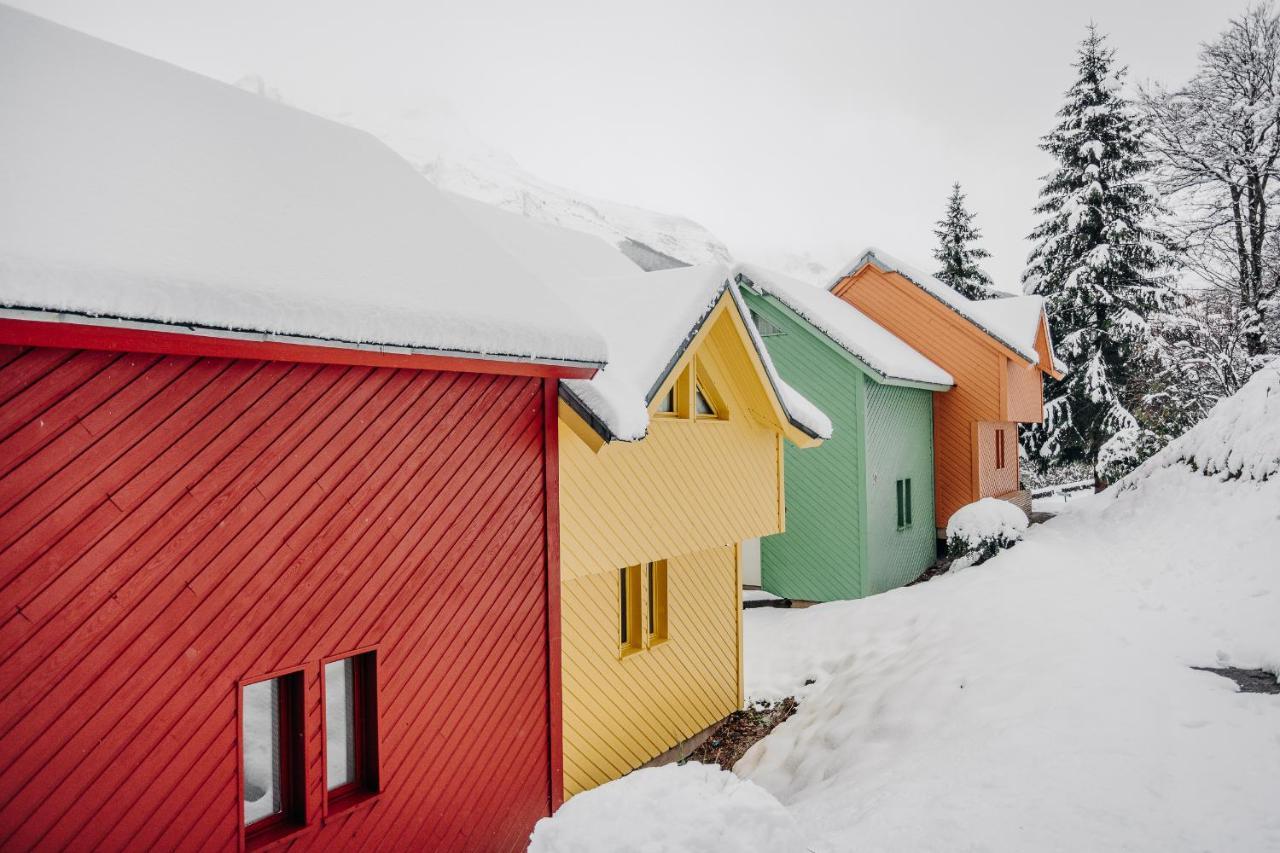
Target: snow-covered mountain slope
[{"x": 435, "y": 141}]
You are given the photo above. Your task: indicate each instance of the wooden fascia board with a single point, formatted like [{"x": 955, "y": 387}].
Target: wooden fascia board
[
  {"x": 954, "y": 317},
  {"x": 191, "y": 341}
]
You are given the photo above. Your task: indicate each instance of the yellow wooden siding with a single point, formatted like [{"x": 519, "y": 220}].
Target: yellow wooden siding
[
  {"x": 621, "y": 712},
  {"x": 688, "y": 493}
]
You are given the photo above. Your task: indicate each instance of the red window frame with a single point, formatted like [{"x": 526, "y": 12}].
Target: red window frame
[
  {"x": 291, "y": 707},
  {"x": 1000, "y": 448},
  {"x": 365, "y": 782}
]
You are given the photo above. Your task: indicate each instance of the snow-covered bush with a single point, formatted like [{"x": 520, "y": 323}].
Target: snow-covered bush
[
  {"x": 980, "y": 530},
  {"x": 1125, "y": 451},
  {"x": 677, "y": 807},
  {"x": 1240, "y": 439}
]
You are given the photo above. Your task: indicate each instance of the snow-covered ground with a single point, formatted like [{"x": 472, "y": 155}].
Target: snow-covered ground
[{"x": 1041, "y": 701}]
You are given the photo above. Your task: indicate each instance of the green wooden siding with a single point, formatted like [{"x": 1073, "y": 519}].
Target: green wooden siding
[
  {"x": 842, "y": 539},
  {"x": 899, "y": 441},
  {"x": 819, "y": 557}
]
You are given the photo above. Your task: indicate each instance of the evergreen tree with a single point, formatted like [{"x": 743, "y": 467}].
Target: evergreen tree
[
  {"x": 1099, "y": 263},
  {"x": 959, "y": 258}
]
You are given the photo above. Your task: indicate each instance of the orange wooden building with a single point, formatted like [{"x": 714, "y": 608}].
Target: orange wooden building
[{"x": 997, "y": 350}]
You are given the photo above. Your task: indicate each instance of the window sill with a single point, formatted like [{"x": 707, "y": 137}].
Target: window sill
[
  {"x": 275, "y": 836},
  {"x": 629, "y": 651},
  {"x": 347, "y": 803},
  {"x": 658, "y": 641}
]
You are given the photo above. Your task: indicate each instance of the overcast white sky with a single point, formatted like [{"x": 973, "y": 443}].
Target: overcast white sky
[{"x": 805, "y": 126}]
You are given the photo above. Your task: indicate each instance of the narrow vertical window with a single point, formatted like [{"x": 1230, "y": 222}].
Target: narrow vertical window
[
  {"x": 272, "y": 754},
  {"x": 624, "y": 610},
  {"x": 999, "y": 448},
  {"x": 630, "y": 626},
  {"x": 906, "y": 488},
  {"x": 657, "y": 579},
  {"x": 351, "y": 719},
  {"x": 902, "y": 515}
]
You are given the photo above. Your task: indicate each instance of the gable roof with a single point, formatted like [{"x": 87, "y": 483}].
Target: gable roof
[
  {"x": 1012, "y": 321},
  {"x": 138, "y": 191},
  {"x": 886, "y": 356},
  {"x": 649, "y": 320}
]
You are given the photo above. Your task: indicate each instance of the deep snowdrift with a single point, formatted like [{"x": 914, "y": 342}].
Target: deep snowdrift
[{"x": 1044, "y": 700}]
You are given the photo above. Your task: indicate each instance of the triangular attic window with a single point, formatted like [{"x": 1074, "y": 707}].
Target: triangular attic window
[
  {"x": 702, "y": 406},
  {"x": 667, "y": 405}
]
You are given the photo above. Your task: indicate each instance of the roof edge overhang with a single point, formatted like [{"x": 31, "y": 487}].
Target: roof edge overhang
[
  {"x": 869, "y": 258},
  {"x": 38, "y": 327},
  {"x": 880, "y": 376},
  {"x": 793, "y": 429}
]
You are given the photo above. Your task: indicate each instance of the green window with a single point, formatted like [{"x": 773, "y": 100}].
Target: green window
[{"x": 904, "y": 503}]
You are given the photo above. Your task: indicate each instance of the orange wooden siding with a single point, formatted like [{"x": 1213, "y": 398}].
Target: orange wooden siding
[
  {"x": 950, "y": 341},
  {"x": 1025, "y": 393},
  {"x": 994, "y": 479}
]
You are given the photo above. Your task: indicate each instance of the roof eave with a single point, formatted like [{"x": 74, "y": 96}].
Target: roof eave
[{"x": 107, "y": 331}]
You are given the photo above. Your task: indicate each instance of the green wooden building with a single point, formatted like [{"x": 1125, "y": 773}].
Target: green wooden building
[{"x": 859, "y": 509}]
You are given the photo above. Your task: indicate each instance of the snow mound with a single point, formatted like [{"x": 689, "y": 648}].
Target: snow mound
[
  {"x": 693, "y": 807},
  {"x": 990, "y": 519},
  {"x": 1239, "y": 439},
  {"x": 1046, "y": 701}
]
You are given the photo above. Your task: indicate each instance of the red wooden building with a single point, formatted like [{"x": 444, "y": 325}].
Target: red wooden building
[{"x": 278, "y": 525}]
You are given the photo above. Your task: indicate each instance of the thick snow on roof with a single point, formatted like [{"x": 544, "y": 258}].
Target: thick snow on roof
[
  {"x": 647, "y": 320},
  {"x": 552, "y": 252},
  {"x": 849, "y": 328},
  {"x": 1012, "y": 320},
  {"x": 133, "y": 189}
]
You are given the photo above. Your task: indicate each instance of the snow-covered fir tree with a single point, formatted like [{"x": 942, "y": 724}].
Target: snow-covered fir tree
[
  {"x": 956, "y": 253},
  {"x": 1099, "y": 262}
]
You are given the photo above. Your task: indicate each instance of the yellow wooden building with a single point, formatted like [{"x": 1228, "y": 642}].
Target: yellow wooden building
[{"x": 669, "y": 459}]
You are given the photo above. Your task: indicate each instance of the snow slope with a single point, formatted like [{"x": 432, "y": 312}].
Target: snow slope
[
  {"x": 1045, "y": 700},
  {"x": 453, "y": 159}
]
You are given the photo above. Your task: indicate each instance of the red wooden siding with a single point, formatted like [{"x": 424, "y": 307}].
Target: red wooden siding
[{"x": 171, "y": 525}]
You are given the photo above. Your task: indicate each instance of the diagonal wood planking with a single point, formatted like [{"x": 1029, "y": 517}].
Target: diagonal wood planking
[{"x": 172, "y": 524}]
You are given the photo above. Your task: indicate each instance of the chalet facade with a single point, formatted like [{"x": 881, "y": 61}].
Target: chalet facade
[
  {"x": 278, "y": 504},
  {"x": 859, "y": 509},
  {"x": 669, "y": 459},
  {"x": 997, "y": 351}
]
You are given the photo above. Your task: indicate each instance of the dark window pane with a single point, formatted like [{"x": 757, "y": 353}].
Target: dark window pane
[{"x": 623, "y": 609}]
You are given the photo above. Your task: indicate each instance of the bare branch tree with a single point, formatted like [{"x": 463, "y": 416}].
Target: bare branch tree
[{"x": 1218, "y": 139}]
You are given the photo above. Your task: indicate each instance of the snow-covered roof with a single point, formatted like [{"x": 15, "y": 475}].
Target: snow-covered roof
[
  {"x": 1012, "y": 320},
  {"x": 550, "y": 251},
  {"x": 648, "y": 320},
  {"x": 136, "y": 190},
  {"x": 886, "y": 355}
]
